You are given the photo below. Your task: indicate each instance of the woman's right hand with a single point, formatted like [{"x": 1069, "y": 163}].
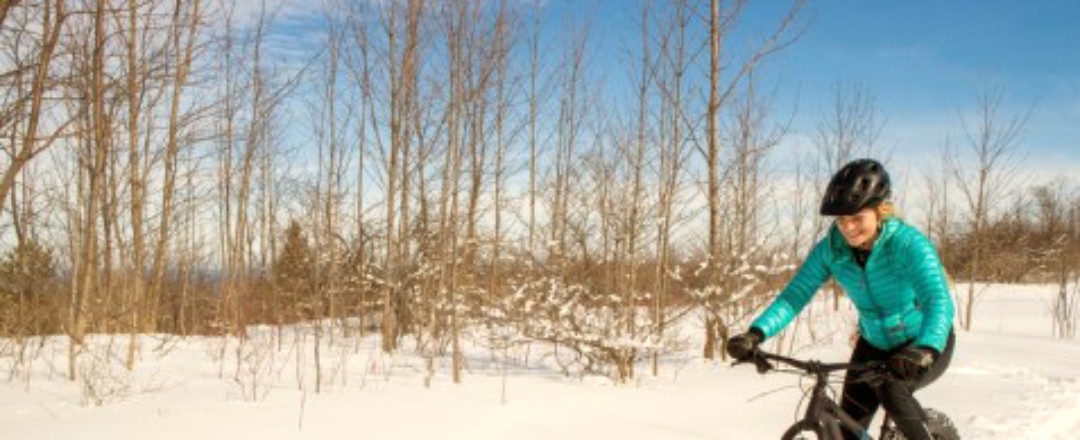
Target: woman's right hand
[{"x": 742, "y": 347}]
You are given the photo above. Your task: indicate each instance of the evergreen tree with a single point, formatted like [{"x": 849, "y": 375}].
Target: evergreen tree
[
  {"x": 26, "y": 272},
  {"x": 293, "y": 274}
]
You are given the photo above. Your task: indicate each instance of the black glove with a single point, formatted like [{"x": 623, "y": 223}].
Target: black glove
[
  {"x": 742, "y": 347},
  {"x": 911, "y": 362}
]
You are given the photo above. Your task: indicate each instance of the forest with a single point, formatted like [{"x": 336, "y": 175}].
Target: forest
[{"x": 430, "y": 171}]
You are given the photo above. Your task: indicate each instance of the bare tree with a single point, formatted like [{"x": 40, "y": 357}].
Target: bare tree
[
  {"x": 936, "y": 181},
  {"x": 534, "y": 104},
  {"x": 249, "y": 98},
  {"x": 569, "y": 126},
  {"x": 33, "y": 117},
  {"x": 676, "y": 58},
  {"x": 722, "y": 18},
  {"x": 327, "y": 200},
  {"x": 754, "y": 137},
  {"x": 185, "y": 31},
  {"x": 97, "y": 143},
  {"x": 473, "y": 65},
  {"x": 53, "y": 16},
  {"x": 1067, "y": 303},
  {"x": 1056, "y": 247},
  {"x": 636, "y": 165},
  {"x": 5, "y": 8},
  {"x": 359, "y": 66},
  {"x": 985, "y": 171},
  {"x": 136, "y": 83},
  {"x": 403, "y": 65},
  {"x": 849, "y": 129},
  {"x": 504, "y": 135}
]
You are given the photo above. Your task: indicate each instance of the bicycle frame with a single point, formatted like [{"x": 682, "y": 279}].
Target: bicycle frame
[{"x": 823, "y": 415}]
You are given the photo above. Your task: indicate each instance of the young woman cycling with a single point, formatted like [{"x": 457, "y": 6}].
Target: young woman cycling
[{"x": 893, "y": 275}]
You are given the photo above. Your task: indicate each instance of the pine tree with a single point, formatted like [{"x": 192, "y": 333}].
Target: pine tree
[
  {"x": 293, "y": 274},
  {"x": 26, "y": 273}
]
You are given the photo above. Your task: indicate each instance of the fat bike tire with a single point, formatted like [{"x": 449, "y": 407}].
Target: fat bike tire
[
  {"x": 941, "y": 428},
  {"x": 805, "y": 430}
]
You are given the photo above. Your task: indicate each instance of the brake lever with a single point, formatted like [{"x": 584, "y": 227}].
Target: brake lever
[{"x": 763, "y": 365}]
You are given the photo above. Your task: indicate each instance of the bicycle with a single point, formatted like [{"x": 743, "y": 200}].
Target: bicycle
[{"x": 824, "y": 419}]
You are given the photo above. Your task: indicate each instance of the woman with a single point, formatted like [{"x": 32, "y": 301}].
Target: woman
[{"x": 892, "y": 274}]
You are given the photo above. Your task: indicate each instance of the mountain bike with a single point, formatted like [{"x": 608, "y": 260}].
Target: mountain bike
[{"x": 824, "y": 419}]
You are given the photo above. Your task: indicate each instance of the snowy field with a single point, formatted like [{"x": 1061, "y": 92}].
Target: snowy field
[{"x": 1010, "y": 379}]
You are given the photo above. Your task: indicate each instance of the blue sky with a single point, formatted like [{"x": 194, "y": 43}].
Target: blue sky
[
  {"x": 925, "y": 62},
  {"x": 934, "y": 49},
  {"x": 928, "y": 61}
]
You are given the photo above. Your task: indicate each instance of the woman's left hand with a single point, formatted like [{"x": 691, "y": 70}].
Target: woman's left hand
[{"x": 910, "y": 362}]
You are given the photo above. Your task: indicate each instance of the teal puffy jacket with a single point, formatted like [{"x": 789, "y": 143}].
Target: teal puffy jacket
[{"x": 901, "y": 295}]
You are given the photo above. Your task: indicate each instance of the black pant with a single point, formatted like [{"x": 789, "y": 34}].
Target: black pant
[{"x": 861, "y": 399}]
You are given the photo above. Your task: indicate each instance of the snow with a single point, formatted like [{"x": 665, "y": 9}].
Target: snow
[{"x": 1010, "y": 379}]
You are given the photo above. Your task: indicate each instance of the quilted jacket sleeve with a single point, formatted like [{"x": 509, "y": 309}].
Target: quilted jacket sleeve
[
  {"x": 810, "y": 276},
  {"x": 927, "y": 278}
]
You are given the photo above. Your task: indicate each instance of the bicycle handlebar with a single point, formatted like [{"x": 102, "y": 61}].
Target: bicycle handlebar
[{"x": 761, "y": 358}]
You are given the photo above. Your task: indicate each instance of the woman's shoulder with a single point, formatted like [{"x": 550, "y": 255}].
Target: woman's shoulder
[
  {"x": 904, "y": 236},
  {"x": 904, "y": 228}
]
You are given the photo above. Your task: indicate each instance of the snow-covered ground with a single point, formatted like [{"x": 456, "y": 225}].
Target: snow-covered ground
[{"x": 1010, "y": 379}]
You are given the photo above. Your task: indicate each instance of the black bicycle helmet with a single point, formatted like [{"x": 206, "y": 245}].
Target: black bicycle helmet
[{"x": 857, "y": 185}]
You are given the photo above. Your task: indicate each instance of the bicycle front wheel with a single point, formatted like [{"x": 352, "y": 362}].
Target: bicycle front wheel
[
  {"x": 941, "y": 428},
  {"x": 805, "y": 430}
]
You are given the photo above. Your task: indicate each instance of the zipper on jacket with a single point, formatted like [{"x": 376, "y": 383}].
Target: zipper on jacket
[{"x": 882, "y": 316}]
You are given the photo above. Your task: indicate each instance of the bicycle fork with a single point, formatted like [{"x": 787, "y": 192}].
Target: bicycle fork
[
  {"x": 835, "y": 419},
  {"x": 824, "y": 410}
]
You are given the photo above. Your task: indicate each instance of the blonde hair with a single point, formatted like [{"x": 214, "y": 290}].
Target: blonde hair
[{"x": 886, "y": 210}]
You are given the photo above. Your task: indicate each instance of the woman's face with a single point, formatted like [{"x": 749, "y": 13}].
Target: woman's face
[{"x": 859, "y": 229}]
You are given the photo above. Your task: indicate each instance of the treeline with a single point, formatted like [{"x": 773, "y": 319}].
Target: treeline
[
  {"x": 1036, "y": 240},
  {"x": 422, "y": 169}
]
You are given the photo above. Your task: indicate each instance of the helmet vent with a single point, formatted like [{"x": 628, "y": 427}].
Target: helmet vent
[{"x": 855, "y": 186}]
